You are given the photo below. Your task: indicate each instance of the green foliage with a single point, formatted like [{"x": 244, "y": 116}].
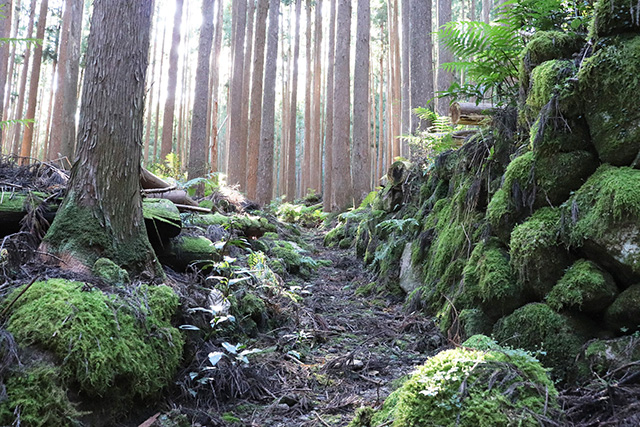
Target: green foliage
[
  {"x": 492, "y": 387},
  {"x": 307, "y": 216},
  {"x": 427, "y": 145},
  {"x": 110, "y": 346}
]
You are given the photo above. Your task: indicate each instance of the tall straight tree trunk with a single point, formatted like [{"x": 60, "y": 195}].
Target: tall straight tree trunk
[
  {"x": 360, "y": 160},
  {"x": 267, "y": 123},
  {"x": 103, "y": 199},
  {"x": 237, "y": 150},
  {"x": 421, "y": 60},
  {"x": 5, "y": 32},
  {"x": 486, "y": 11},
  {"x": 198, "y": 149},
  {"x": 327, "y": 192},
  {"x": 215, "y": 80},
  {"x": 406, "y": 74},
  {"x": 172, "y": 82},
  {"x": 63, "y": 126},
  {"x": 255, "y": 113},
  {"x": 394, "y": 78},
  {"x": 6, "y": 106},
  {"x": 341, "y": 168},
  {"x": 150, "y": 87},
  {"x": 306, "y": 163},
  {"x": 381, "y": 140},
  {"x": 445, "y": 78},
  {"x": 472, "y": 15},
  {"x": 246, "y": 85},
  {"x": 156, "y": 137},
  {"x": 17, "y": 139},
  {"x": 27, "y": 138},
  {"x": 284, "y": 131},
  {"x": 293, "y": 110},
  {"x": 316, "y": 121}
]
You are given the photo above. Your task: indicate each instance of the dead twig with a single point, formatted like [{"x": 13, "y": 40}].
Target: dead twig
[{"x": 6, "y": 309}]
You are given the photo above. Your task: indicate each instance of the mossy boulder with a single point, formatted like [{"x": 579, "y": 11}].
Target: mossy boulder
[
  {"x": 612, "y": 17},
  {"x": 624, "y": 314},
  {"x": 473, "y": 321},
  {"x": 489, "y": 281},
  {"x": 537, "y": 254},
  {"x": 392, "y": 194},
  {"x": 547, "y": 79},
  {"x": 115, "y": 348},
  {"x": 554, "y": 133},
  {"x": 488, "y": 387},
  {"x": 604, "y": 356},
  {"x": 537, "y": 328},
  {"x": 110, "y": 272},
  {"x": 501, "y": 215},
  {"x": 585, "y": 287},
  {"x": 603, "y": 218},
  {"x": 608, "y": 83},
  {"x": 185, "y": 250},
  {"x": 161, "y": 218},
  {"x": 410, "y": 277}
]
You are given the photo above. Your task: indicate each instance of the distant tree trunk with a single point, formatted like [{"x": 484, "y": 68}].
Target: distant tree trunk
[
  {"x": 328, "y": 151},
  {"x": 246, "y": 88},
  {"x": 394, "y": 79},
  {"x": 156, "y": 137},
  {"x": 486, "y": 11},
  {"x": 445, "y": 78},
  {"x": 472, "y": 15},
  {"x": 381, "y": 116},
  {"x": 267, "y": 123},
  {"x": 237, "y": 150},
  {"x": 23, "y": 82},
  {"x": 215, "y": 80},
  {"x": 406, "y": 73},
  {"x": 255, "y": 114},
  {"x": 293, "y": 110},
  {"x": 27, "y": 138},
  {"x": 360, "y": 160},
  {"x": 316, "y": 122},
  {"x": 306, "y": 163},
  {"x": 5, "y": 32},
  {"x": 421, "y": 60},
  {"x": 6, "y": 106},
  {"x": 286, "y": 98},
  {"x": 170, "y": 102},
  {"x": 341, "y": 182},
  {"x": 101, "y": 215},
  {"x": 63, "y": 124},
  {"x": 198, "y": 149}
]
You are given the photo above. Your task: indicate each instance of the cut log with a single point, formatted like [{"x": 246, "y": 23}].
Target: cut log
[
  {"x": 161, "y": 218},
  {"x": 184, "y": 251},
  {"x": 468, "y": 113},
  {"x": 158, "y": 188}
]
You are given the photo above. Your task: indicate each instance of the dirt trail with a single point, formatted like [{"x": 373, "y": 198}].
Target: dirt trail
[{"x": 347, "y": 351}]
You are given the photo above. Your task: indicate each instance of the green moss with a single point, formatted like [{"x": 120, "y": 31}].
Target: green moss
[
  {"x": 584, "y": 287},
  {"x": 333, "y": 237},
  {"x": 109, "y": 347},
  {"x": 547, "y": 80},
  {"x": 456, "y": 385},
  {"x": 473, "y": 321},
  {"x": 345, "y": 243},
  {"x": 362, "y": 417},
  {"x": 109, "y": 271},
  {"x": 624, "y": 314},
  {"x": 184, "y": 251},
  {"x": 251, "y": 310},
  {"x": 208, "y": 219},
  {"x": 537, "y": 328},
  {"x": 490, "y": 282},
  {"x": 613, "y": 17},
  {"x": 537, "y": 255},
  {"x": 39, "y": 398},
  {"x": 611, "y": 195},
  {"x": 161, "y": 216},
  {"x": 545, "y": 46},
  {"x": 608, "y": 84},
  {"x": 605, "y": 356}
]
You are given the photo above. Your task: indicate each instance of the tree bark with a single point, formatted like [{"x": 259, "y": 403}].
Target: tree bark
[
  {"x": 4, "y": 135},
  {"x": 468, "y": 113},
  {"x": 101, "y": 215},
  {"x": 361, "y": 159},
  {"x": 394, "y": 79},
  {"x": 256, "y": 112},
  {"x": 421, "y": 60},
  {"x": 170, "y": 102},
  {"x": 406, "y": 73},
  {"x": 237, "y": 149},
  {"x": 306, "y": 163},
  {"x": 267, "y": 124},
  {"x": 486, "y": 10},
  {"x": 293, "y": 110},
  {"x": 27, "y": 138},
  {"x": 215, "y": 80},
  {"x": 63, "y": 125},
  {"x": 198, "y": 149},
  {"x": 328, "y": 151},
  {"x": 157, "y": 139},
  {"x": 316, "y": 122},
  {"x": 445, "y": 78},
  {"x": 5, "y": 32},
  {"x": 342, "y": 185}
]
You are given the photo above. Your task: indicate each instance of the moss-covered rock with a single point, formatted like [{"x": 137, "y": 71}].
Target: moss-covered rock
[
  {"x": 608, "y": 85},
  {"x": 162, "y": 219},
  {"x": 602, "y": 217},
  {"x": 110, "y": 272},
  {"x": 624, "y": 314},
  {"x": 455, "y": 386},
  {"x": 612, "y": 17},
  {"x": 555, "y": 133},
  {"x": 107, "y": 346},
  {"x": 548, "y": 80},
  {"x": 584, "y": 287},
  {"x": 472, "y": 322},
  {"x": 604, "y": 356},
  {"x": 490, "y": 282},
  {"x": 184, "y": 251},
  {"x": 537, "y": 255},
  {"x": 501, "y": 215},
  {"x": 39, "y": 398},
  {"x": 537, "y": 328}
]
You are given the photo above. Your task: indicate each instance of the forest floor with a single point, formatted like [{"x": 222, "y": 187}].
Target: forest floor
[{"x": 354, "y": 346}]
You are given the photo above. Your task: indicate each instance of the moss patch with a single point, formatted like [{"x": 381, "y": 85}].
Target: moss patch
[
  {"x": 624, "y": 314},
  {"x": 108, "y": 346},
  {"x": 537, "y": 328},
  {"x": 456, "y": 385},
  {"x": 614, "y": 17},
  {"x": 109, "y": 271},
  {"x": 584, "y": 287}
]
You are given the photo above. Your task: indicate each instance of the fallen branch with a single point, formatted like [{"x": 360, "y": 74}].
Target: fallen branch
[
  {"x": 6, "y": 309},
  {"x": 190, "y": 208}
]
